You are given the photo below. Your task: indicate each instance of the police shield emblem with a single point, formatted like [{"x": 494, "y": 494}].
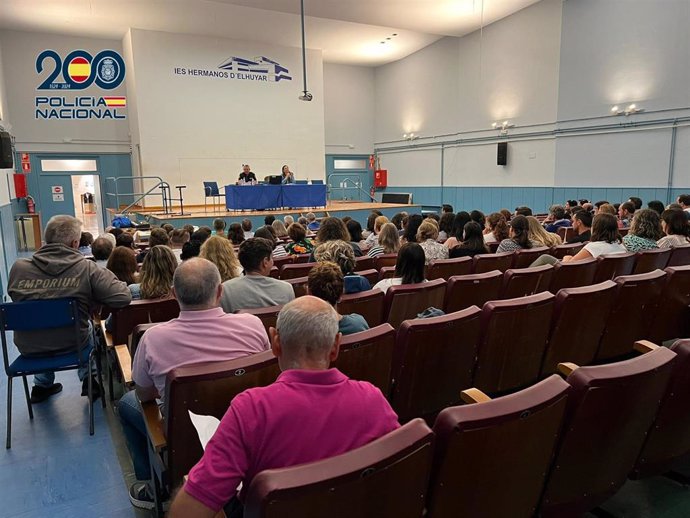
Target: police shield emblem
[{"x": 107, "y": 71}]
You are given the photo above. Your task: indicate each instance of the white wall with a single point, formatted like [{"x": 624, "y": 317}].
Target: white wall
[
  {"x": 195, "y": 128},
  {"x": 19, "y": 53},
  {"x": 348, "y": 109},
  {"x": 4, "y": 110}
]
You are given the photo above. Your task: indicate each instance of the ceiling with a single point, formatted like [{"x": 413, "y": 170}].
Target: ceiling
[{"x": 347, "y": 31}]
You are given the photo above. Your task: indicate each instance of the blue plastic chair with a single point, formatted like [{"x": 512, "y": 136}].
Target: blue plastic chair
[
  {"x": 42, "y": 315},
  {"x": 211, "y": 190}
]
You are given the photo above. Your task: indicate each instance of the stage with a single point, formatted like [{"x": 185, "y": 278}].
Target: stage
[{"x": 199, "y": 215}]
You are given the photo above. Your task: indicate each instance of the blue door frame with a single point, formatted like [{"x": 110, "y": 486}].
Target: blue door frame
[{"x": 348, "y": 184}]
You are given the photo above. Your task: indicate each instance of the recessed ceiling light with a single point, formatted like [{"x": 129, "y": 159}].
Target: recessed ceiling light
[{"x": 395, "y": 34}]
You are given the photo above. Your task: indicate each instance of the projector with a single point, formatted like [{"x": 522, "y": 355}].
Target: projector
[{"x": 306, "y": 96}]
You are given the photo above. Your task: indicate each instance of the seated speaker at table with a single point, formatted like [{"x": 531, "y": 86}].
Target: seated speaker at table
[
  {"x": 287, "y": 175},
  {"x": 246, "y": 176}
]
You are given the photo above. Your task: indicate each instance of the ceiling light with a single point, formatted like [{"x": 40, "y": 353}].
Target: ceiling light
[
  {"x": 628, "y": 110},
  {"x": 502, "y": 126}
]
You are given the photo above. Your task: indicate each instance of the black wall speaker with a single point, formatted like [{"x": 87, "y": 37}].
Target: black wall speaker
[
  {"x": 6, "y": 161},
  {"x": 396, "y": 197},
  {"x": 502, "y": 154}
]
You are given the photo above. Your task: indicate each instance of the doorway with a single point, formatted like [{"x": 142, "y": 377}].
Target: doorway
[
  {"x": 349, "y": 177},
  {"x": 86, "y": 198}
]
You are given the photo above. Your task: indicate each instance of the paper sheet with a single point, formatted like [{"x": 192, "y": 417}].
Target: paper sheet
[{"x": 206, "y": 426}]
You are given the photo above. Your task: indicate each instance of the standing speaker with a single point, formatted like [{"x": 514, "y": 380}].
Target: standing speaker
[
  {"x": 6, "y": 161},
  {"x": 502, "y": 154}
]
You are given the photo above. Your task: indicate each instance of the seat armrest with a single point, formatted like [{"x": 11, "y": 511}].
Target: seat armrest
[
  {"x": 124, "y": 362},
  {"x": 154, "y": 425},
  {"x": 107, "y": 335},
  {"x": 645, "y": 346},
  {"x": 474, "y": 395},
  {"x": 566, "y": 368}
]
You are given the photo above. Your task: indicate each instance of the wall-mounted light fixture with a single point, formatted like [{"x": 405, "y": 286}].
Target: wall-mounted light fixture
[
  {"x": 628, "y": 110},
  {"x": 410, "y": 136},
  {"x": 502, "y": 126}
]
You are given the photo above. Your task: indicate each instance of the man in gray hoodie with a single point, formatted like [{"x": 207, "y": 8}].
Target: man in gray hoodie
[{"x": 58, "y": 270}]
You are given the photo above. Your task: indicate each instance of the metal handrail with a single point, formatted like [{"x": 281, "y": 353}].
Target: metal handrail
[
  {"x": 162, "y": 185},
  {"x": 355, "y": 184}
]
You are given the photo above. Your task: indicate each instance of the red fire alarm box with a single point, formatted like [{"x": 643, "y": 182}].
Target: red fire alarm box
[
  {"x": 20, "y": 185},
  {"x": 381, "y": 178}
]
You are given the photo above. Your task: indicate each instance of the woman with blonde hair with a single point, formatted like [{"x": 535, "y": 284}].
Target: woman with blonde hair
[
  {"x": 220, "y": 252},
  {"x": 279, "y": 227},
  {"x": 156, "y": 278},
  {"x": 340, "y": 253},
  {"x": 539, "y": 235},
  {"x": 372, "y": 238},
  {"x": 427, "y": 234},
  {"x": 388, "y": 241}
]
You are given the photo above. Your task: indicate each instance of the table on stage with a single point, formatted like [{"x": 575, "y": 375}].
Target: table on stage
[{"x": 264, "y": 196}]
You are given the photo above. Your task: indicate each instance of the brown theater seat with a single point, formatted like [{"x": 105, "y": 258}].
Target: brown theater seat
[
  {"x": 408, "y": 300},
  {"x": 560, "y": 251},
  {"x": 433, "y": 362},
  {"x": 368, "y": 356},
  {"x": 669, "y": 438},
  {"x": 299, "y": 285},
  {"x": 651, "y": 260},
  {"x": 526, "y": 256},
  {"x": 371, "y": 275},
  {"x": 387, "y": 478},
  {"x": 385, "y": 260},
  {"x": 137, "y": 333},
  {"x": 672, "y": 317},
  {"x": 293, "y": 271},
  {"x": 492, "y": 457},
  {"x": 680, "y": 256},
  {"x": 610, "y": 409},
  {"x": 579, "y": 319},
  {"x": 514, "y": 336},
  {"x": 631, "y": 315},
  {"x": 386, "y": 272},
  {"x": 483, "y": 263},
  {"x": 614, "y": 265},
  {"x": 526, "y": 281},
  {"x": 268, "y": 316},
  {"x": 141, "y": 312},
  {"x": 464, "y": 291},
  {"x": 446, "y": 268},
  {"x": 573, "y": 274},
  {"x": 364, "y": 263},
  {"x": 369, "y": 304}
]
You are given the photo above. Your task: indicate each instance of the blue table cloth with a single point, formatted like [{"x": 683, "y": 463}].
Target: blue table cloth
[{"x": 262, "y": 197}]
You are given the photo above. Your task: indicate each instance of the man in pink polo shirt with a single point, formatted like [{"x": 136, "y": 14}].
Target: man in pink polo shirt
[
  {"x": 310, "y": 413},
  {"x": 202, "y": 333}
]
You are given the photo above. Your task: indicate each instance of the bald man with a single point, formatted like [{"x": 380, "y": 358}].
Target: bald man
[
  {"x": 284, "y": 424},
  {"x": 202, "y": 333}
]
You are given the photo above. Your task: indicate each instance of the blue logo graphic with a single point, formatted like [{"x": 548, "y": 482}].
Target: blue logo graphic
[
  {"x": 260, "y": 67},
  {"x": 80, "y": 69}
]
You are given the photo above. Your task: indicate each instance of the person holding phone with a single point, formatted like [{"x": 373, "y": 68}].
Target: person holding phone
[{"x": 288, "y": 176}]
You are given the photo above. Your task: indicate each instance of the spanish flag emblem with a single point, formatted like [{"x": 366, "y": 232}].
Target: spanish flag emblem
[
  {"x": 79, "y": 69},
  {"x": 115, "y": 102}
]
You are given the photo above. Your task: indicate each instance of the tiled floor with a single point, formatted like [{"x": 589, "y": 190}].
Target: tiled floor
[{"x": 55, "y": 469}]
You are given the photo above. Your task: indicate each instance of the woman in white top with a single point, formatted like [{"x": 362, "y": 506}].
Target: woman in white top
[
  {"x": 605, "y": 239},
  {"x": 674, "y": 223},
  {"x": 496, "y": 228},
  {"x": 409, "y": 268}
]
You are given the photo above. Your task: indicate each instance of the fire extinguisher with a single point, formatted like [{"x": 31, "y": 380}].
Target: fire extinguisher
[{"x": 30, "y": 205}]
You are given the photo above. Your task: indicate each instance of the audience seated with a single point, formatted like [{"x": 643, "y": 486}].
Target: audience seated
[
  {"x": 675, "y": 226},
  {"x": 310, "y": 413},
  {"x": 637, "y": 202},
  {"x": 178, "y": 237},
  {"x": 122, "y": 262},
  {"x": 519, "y": 236},
  {"x": 125, "y": 239},
  {"x": 625, "y": 214},
  {"x": 398, "y": 220},
  {"x": 85, "y": 242},
  {"x": 656, "y": 206},
  {"x": 542, "y": 237},
  {"x": 288, "y": 220},
  {"x": 371, "y": 223},
  {"x": 523, "y": 211},
  {"x": 158, "y": 237},
  {"x": 409, "y": 268},
  {"x": 427, "y": 234},
  {"x": 236, "y": 234},
  {"x": 299, "y": 245},
  {"x": 247, "y": 228},
  {"x": 372, "y": 238},
  {"x": 333, "y": 229},
  {"x": 266, "y": 232},
  {"x": 312, "y": 224},
  {"x": 556, "y": 218},
  {"x": 279, "y": 228},
  {"x": 220, "y": 252},
  {"x": 341, "y": 253},
  {"x": 101, "y": 250},
  {"x": 190, "y": 249},
  {"x": 388, "y": 241},
  {"x": 219, "y": 227},
  {"x": 58, "y": 270},
  {"x": 255, "y": 289},
  {"x": 445, "y": 226},
  {"x": 197, "y": 288},
  {"x": 645, "y": 231},
  {"x": 461, "y": 219},
  {"x": 496, "y": 228},
  {"x": 326, "y": 281},
  {"x": 582, "y": 225},
  {"x": 472, "y": 244},
  {"x": 411, "y": 226},
  {"x": 156, "y": 278}
]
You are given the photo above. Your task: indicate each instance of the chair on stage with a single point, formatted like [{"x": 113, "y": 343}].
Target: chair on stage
[{"x": 212, "y": 191}]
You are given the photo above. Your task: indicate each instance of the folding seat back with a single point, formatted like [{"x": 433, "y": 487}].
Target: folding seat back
[
  {"x": 433, "y": 362},
  {"x": 630, "y": 318},
  {"x": 275, "y": 273},
  {"x": 364, "y": 263},
  {"x": 385, "y": 260},
  {"x": 579, "y": 319},
  {"x": 483, "y": 263},
  {"x": 680, "y": 256},
  {"x": 610, "y": 409},
  {"x": 141, "y": 312},
  {"x": 282, "y": 261},
  {"x": 614, "y": 265},
  {"x": 137, "y": 333},
  {"x": 672, "y": 317},
  {"x": 386, "y": 272},
  {"x": 371, "y": 275},
  {"x": 408, "y": 300},
  {"x": 669, "y": 438},
  {"x": 268, "y": 316},
  {"x": 299, "y": 285},
  {"x": 526, "y": 256},
  {"x": 493, "y": 247},
  {"x": 573, "y": 274},
  {"x": 526, "y": 281},
  {"x": 387, "y": 478},
  {"x": 301, "y": 258},
  {"x": 560, "y": 251},
  {"x": 368, "y": 356},
  {"x": 484, "y": 465},
  {"x": 293, "y": 271},
  {"x": 514, "y": 336},
  {"x": 651, "y": 260},
  {"x": 561, "y": 232},
  {"x": 464, "y": 291},
  {"x": 446, "y": 268},
  {"x": 369, "y": 304},
  {"x": 206, "y": 389}
]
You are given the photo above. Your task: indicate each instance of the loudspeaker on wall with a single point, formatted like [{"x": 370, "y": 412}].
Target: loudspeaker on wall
[
  {"x": 6, "y": 161},
  {"x": 502, "y": 154}
]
